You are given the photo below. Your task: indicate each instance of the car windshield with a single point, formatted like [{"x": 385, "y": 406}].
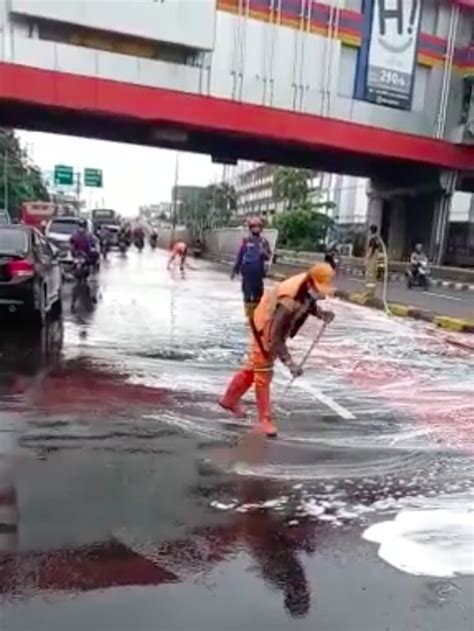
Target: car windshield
[
  {"x": 63, "y": 227},
  {"x": 13, "y": 242}
]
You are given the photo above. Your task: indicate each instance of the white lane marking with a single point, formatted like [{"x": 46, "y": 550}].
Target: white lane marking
[
  {"x": 432, "y": 293},
  {"x": 326, "y": 400},
  {"x": 428, "y": 293},
  {"x": 334, "y": 406}
]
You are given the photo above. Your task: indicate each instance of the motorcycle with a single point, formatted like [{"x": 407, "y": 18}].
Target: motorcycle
[
  {"x": 153, "y": 241},
  {"x": 419, "y": 276},
  {"x": 123, "y": 246},
  {"x": 105, "y": 248},
  {"x": 139, "y": 243},
  {"x": 81, "y": 269}
]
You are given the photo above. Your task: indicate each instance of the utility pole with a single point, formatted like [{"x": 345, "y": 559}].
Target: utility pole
[
  {"x": 175, "y": 198},
  {"x": 78, "y": 191}
]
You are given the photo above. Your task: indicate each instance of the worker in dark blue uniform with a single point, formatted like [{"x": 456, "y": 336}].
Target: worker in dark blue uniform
[{"x": 253, "y": 255}]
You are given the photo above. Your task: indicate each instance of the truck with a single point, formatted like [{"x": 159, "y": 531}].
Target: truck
[
  {"x": 36, "y": 213},
  {"x": 104, "y": 216}
]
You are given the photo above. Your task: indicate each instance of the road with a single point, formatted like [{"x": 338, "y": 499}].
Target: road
[
  {"x": 441, "y": 301},
  {"x": 129, "y": 501}
]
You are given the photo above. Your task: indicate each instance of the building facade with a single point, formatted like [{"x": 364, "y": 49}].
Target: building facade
[{"x": 397, "y": 65}]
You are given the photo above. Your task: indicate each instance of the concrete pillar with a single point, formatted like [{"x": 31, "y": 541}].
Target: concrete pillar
[
  {"x": 374, "y": 211},
  {"x": 442, "y": 210},
  {"x": 396, "y": 232},
  {"x": 439, "y": 231}
]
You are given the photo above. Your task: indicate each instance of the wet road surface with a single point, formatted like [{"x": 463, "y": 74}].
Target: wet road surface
[{"x": 128, "y": 500}]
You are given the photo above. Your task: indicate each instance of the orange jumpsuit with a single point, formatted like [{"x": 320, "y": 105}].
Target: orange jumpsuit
[
  {"x": 179, "y": 249},
  {"x": 258, "y": 369}
]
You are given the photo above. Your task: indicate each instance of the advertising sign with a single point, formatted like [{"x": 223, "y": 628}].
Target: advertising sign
[{"x": 392, "y": 52}]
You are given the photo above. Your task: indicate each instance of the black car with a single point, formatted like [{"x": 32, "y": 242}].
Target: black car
[{"x": 30, "y": 275}]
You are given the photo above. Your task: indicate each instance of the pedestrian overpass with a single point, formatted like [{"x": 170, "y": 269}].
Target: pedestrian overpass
[{"x": 378, "y": 88}]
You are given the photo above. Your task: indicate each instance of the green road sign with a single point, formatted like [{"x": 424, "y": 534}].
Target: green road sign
[
  {"x": 93, "y": 177},
  {"x": 63, "y": 175}
]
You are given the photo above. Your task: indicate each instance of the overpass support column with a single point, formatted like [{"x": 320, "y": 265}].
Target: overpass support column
[
  {"x": 374, "y": 208},
  {"x": 439, "y": 232}
]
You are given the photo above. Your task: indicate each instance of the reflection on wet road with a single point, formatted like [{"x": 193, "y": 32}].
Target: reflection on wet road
[{"x": 129, "y": 501}]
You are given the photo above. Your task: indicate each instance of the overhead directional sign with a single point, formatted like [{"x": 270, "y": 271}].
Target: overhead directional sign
[
  {"x": 93, "y": 178},
  {"x": 63, "y": 175}
]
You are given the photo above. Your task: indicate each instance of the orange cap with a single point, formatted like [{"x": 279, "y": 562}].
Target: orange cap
[{"x": 322, "y": 274}]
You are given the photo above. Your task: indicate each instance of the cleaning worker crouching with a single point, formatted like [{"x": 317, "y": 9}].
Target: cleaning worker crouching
[
  {"x": 279, "y": 315},
  {"x": 253, "y": 255},
  {"x": 180, "y": 251}
]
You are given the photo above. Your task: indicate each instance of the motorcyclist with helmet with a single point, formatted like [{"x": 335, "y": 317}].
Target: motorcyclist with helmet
[
  {"x": 253, "y": 256},
  {"x": 83, "y": 243},
  {"x": 418, "y": 272}
]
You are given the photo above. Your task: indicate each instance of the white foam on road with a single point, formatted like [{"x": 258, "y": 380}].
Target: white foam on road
[{"x": 437, "y": 542}]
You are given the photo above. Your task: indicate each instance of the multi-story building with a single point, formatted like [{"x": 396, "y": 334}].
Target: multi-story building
[
  {"x": 254, "y": 184},
  {"x": 254, "y": 188}
]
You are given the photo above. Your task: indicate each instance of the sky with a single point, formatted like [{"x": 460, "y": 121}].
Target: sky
[{"x": 132, "y": 175}]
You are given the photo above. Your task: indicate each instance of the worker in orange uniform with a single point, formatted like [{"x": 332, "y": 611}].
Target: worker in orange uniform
[
  {"x": 179, "y": 250},
  {"x": 280, "y": 314}
]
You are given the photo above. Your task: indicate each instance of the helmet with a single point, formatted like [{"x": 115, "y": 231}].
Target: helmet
[
  {"x": 82, "y": 224},
  {"x": 254, "y": 222},
  {"x": 322, "y": 274}
]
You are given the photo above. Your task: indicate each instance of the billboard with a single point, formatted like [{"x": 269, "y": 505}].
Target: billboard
[{"x": 391, "y": 52}]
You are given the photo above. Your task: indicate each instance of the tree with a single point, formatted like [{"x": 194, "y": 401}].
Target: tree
[
  {"x": 23, "y": 179},
  {"x": 201, "y": 209},
  {"x": 304, "y": 223},
  {"x": 302, "y": 228},
  {"x": 291, "y": 186},
  {"x": 222, "y": 202}
]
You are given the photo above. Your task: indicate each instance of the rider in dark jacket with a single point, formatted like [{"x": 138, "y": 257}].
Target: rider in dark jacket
[{"x": 83, "y": 242}]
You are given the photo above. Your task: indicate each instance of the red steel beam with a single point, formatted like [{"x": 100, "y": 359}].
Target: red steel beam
[{"x": 77, "y": 93}]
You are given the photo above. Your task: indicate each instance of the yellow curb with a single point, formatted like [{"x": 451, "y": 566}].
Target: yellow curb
[
  {"x": 399, "y": 310},
  {"x": 453, "y": 324},
  {"x": 359, "y": 299}
]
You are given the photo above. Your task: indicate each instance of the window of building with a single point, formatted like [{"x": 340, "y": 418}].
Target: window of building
[
  {"x": 347, "y": 71},
  {"x": 467, "y": 107},
  {"x": 420, "y": 87},
  {"x": 115, "y": 42},
  {"x": 429, "y": 17}
]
